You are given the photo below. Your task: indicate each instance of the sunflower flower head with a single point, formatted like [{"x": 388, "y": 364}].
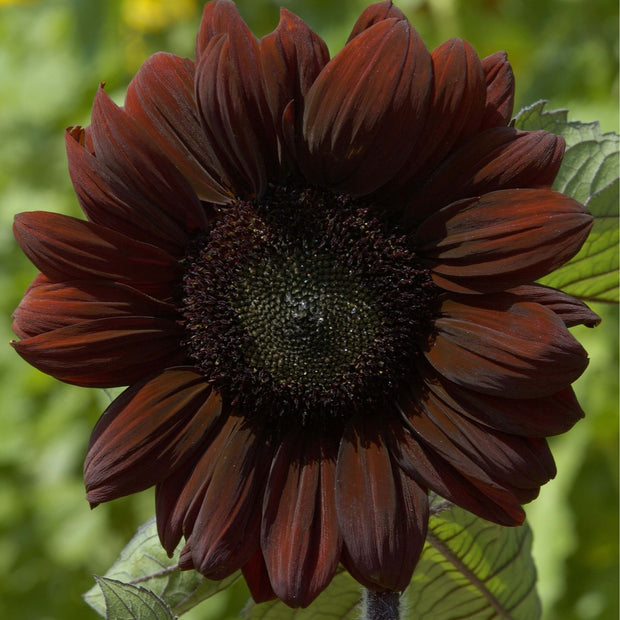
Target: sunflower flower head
[{"x": 316, "y": 278}]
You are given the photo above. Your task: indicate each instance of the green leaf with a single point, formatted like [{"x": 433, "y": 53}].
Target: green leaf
[
  {"x": 469, "y": 568},
  {"x": 589, "y": 173},
  {"x": 144, "y": 563},
  {"x": 126, "y": 602}
]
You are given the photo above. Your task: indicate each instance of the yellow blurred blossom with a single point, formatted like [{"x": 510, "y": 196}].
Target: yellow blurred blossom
[{"x": 155, "y": 15}]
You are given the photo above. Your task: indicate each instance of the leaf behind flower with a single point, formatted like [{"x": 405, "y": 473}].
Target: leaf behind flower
[{"x": 589, "y": 173}]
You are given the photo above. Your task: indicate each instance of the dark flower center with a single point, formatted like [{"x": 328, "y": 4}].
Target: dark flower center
[
  {"x": 308, "y": 318},
  {"x": 304, "y": 308}
]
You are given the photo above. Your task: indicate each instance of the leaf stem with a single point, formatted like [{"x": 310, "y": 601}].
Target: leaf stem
[{"x": 381, "y": 605}]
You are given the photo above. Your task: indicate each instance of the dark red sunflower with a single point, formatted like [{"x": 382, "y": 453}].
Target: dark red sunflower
[{"x": 317, "y": 278}]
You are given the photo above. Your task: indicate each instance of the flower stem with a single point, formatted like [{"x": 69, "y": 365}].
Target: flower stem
[{"x": 381, "y": 605}]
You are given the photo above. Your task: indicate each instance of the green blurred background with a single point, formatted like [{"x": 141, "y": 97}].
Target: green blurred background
[{"x": 53, "y": 54}]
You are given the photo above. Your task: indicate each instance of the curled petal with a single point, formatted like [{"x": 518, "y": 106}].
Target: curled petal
[
  {"x": 147, "y": 432},
  {"x": 502, "y": 239},
  {"x": 495, "y": 346},
  {"x": 225, "y": 534},
  {"x": 497, "y": 159},
  {"x": 140, "y": 175},
  {"x": 161, "y": 98},
  {"x": 383, "y": 515},
  {"x": 480, "y": 495},
  {"x": 292, "y": 57},
  {"x": 234, "y": 112},
  {"x": 49, "y": 305},
  {"x": 367, "y": 107},
  {"x": 529, "y": 417},
  {"x": 220, "y": 17},
  {"x": 300, "y": 537},
  {"x": 513, "y": 461},
  {"x": 373, "y": 14},
  {"x": 455, "y": 111},
  {"x": 571, "y": 310},
  {"x": 500, "y": 91},
  {"x": 105, "y": 352},
  {"x": 65, "y": 248}
]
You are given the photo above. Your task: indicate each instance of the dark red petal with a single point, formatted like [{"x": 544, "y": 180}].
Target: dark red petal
[
  {"x": 500, "y": 91},
  {"x": 105, "y": 352},
  {"x": 167, "y": 493},
  {"x": 257, "y": 578},
  {"x": 537, "y": 417},
  {"x": 513, "y": 461},
  {"x": 382, "y": 515},
  {"x": 234, "y": 112},
  {"x": 219, "y": 17},
  {"x": 292, "y": 57},
  {"x": 479, "y": 495},
  {"x": 180, "y": 505},
  {"x": 571, "y": 310},
  {"x": 109, "y": 202},
  {"x": 495, "y": 346},
  {"x": 226, "y": 531},
  {"x": 162, "y": 100},
  {"x": 500, "y": 158},
  {"x": 455, "y": 112},
  {"x": 65, "y": 248},
  {"x": 502, "y": 239},
  {"x": 48, "y": 305},
  {"x": 143, "y": 176},
  {"x": 300, "y": 538},
  {"x": 367, "y": 107},
  {"x": 147, "y": 431},
  {"x": 373, "y": 14}
]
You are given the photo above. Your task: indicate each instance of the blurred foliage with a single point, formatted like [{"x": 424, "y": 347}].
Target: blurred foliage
[{"x": 53, "y": 54}]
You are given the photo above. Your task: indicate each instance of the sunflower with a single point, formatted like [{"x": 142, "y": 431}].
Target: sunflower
[{"x": 317, "y": 279}]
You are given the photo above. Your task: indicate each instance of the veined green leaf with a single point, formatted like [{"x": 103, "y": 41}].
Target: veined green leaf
[
  {"x": 589, "y": 173},
  {"x": 143, "y": 563},
  {"x": 471, "y": 568},
  {"x": 126, "y": 602}
]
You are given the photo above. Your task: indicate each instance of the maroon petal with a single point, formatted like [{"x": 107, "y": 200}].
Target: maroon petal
[
  {"x": 65, "y": 248},
  {"x": 292, "y": 57},
  {"x": 161, "y": 98},
  {"x": 219, "y": 17},
  {"x": 140, "y": 174},
  {"x": 382, "y": 514},
  {"x": 502, "y": 239},
  {"x": 167, "y": 493},
  {"x": 500, "y": 91},
  {"x": 480, "y": 495},
  {"x": 300, "y": 537},
  {"x": 181, "y": 495},
  {"x": 530, "y": 417},
  {"x": 571, "y": 310},
  {"x": 513, "y": 461},
  {"x": 257, "y": 578},
  {"x": 374, "y": 14},
  {"x": 367, "y": 107},
  {"x": 232, "y": 106},
  {"x": 105, "y": 352},
  {"x": 495, "y": 346},
  {"x": 47, "y": 306},
  {"x": 226, "y": 531},
  {"x": 455, "y": 112},
  {"x": 500, "y": 158},
  {"x": 147, "y": 432}
]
